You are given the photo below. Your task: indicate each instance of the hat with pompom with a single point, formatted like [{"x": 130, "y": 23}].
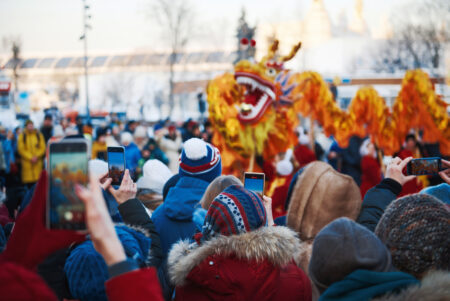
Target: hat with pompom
[{"x": 200, "y": 160}]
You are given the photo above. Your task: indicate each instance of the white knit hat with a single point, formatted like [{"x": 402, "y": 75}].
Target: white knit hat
[
  {"x": 156, "y": 174},
  {"x": 126, "y": 137},
  {"x": 140, "y": 132},
  {"x": 98, "y": 167},
  {"x": 285, "y": 167}
]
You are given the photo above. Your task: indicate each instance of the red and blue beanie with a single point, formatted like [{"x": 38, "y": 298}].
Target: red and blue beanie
[
  {"x": 235, "y": 211},
  {"x": 200, "y": 160}
]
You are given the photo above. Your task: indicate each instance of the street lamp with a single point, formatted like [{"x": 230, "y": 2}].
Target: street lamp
[{"x": 86, "y": 26}]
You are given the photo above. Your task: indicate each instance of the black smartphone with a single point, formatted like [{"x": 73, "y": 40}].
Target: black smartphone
[
  {"x": 116, "y": 163},
  {"x": 68, "y": 166},
  {"x": 424, "y": 166},
  {"x": 254, "y": 181}
]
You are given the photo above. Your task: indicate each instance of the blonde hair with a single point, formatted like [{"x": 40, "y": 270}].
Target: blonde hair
[{"x": 216, "y": 187}]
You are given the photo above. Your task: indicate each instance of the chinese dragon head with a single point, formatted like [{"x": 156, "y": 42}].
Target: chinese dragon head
[{"x": 253, "y": 110}]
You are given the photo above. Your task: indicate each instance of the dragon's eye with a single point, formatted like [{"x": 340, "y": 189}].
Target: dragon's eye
[{"x": 271, "y": 72}]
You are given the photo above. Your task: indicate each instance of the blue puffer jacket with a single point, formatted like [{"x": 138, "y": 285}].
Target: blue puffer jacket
[
  {"x": 132, "y": 156},
  {"x": 174, "y": 219}
]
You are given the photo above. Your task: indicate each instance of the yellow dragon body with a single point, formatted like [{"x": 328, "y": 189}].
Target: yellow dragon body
[{"x": 255, "y": 110}]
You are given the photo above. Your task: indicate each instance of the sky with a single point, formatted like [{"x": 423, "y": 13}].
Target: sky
[{"x": 54, "y": 26}]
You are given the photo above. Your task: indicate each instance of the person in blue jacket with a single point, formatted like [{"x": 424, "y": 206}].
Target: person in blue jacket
[
  {"x": 200, "y": 164},
  {"x": 132, "y": 153}
]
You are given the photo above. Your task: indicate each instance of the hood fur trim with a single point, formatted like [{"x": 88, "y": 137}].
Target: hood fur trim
[
  {"x": 279, "y": 245},
  {"x": 435, "y": 286}
]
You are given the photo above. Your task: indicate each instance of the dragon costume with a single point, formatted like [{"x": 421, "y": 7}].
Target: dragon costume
[{"x": 255, "y": 110}]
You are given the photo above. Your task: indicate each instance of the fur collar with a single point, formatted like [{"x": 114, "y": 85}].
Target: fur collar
[
  {"x": 435, "y": 286},
  {"x": 279, "y": 245}
]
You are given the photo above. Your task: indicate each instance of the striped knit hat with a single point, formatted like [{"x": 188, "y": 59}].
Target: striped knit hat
[
  {"x": 416, "y": 230},
  {"x": 235, "y": 211},
  {"x": 200, "y": 160}
]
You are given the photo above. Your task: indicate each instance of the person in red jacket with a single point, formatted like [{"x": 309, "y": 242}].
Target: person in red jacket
[
  {"x": 285, "y": 169},
  {"x": 237, "y": 256},
  {"x": 302, "y": 152},
  {"x": 370, "y": 167},
  {"x": 410, "y": 150}
]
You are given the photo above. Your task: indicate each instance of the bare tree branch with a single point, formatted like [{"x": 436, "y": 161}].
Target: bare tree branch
[
  {"x": 175, "y": 19},
  {"x": 421, "y": 31}
]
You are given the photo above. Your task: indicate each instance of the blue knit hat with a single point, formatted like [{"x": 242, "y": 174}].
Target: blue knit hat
[
  {"x": 235, "y": 211},
  {"x": 87, "y": 272},
  {"x": 200, "y": 160},
  {"x": 441, "y": 192}
]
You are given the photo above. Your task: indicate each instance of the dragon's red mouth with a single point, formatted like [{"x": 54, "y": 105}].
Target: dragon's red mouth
[{"x": 259, "y": 94}]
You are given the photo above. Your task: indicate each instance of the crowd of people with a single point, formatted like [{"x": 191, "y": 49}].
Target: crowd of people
[{"x": 333, "y": 224}]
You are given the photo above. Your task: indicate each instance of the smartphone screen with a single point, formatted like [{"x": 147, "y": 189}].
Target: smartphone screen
[
  {"x": 424, "y": 166},
  {"x": 116, "y": 164},
  {"x": 255, "y": 182},
  {"x": 68, "y": 167}
]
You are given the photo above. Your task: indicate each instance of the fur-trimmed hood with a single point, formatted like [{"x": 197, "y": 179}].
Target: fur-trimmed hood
[
  {"x": 435, "y": 286},
  {"x": 320, "y": 195},
  {"x": 278, "y": 245}
]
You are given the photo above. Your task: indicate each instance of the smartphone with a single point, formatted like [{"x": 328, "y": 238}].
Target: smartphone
[
  {"x": 254, "y": 181},
  {"x": 116, "y": 163},
  {"x": 424, "y": 166},
  {"x": 68, "y": 166}
]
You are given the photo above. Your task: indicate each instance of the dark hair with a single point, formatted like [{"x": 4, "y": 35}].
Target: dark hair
[{"x": 410, "y": 136}]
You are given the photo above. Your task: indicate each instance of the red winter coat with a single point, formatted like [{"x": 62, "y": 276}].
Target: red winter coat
[
  {"x": 304, "y": 155},
  {"x": 371, "y": 173},
  {"x": 258, "y": 265},
  {"x": 411, "y": 186},
  {"x": 137, "y": 285}
]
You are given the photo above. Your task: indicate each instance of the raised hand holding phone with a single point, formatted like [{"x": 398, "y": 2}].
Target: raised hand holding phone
[
  {"x": 445, "y": 173},
  {"x": 395, "y": 168},
  {"x": 126, "y": 191}
]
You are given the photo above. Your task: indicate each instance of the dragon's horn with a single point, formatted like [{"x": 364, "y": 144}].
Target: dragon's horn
[
  {"x": 274, "y": 47},
  {"x": 272, "y": 50},
  {"x": 292, "y": 53}
]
